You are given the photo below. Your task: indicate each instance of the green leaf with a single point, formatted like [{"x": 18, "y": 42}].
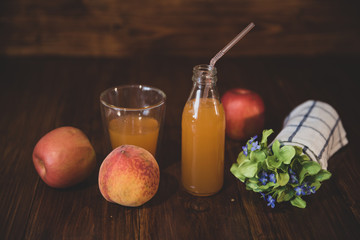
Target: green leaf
[
  {"x": 265, "y": 135},
  {"x": 284, "y": 194},
  {"x": 282, "y": 178},
  {"x": 316, "y": 184},
  {"x": 305, "y": 157},
  {"x": 276, "y": 148},
  {"x": 280, "y": 197},
  {"x": 284, "y": 167},
  {"x": 289, "y": 194},
  {"x": 247, "y": 169},
  {"x": 311, "y": 167},
  {"x": 272, "y": 162},
  {"x": 253, "y": 180},
  {"x": 286, "y": 153},
  {"x": 252, "y": 186},
  {"x": 235, "y": 170},
  {"x": 308, "y": 168},
  {"x": 298, "y": 202},
  {"x": 265, "y": 187},
  {"x": 280, "y": 194},
  {"x": 241, "y": 158},
  {"x": 298, "y": 150},
  {"x": 257, "y": 156},
  {"x": 322, "y": 175}
]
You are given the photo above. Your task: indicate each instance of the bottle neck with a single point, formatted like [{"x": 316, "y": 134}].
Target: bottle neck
[
  {"x": 204, "y": 74},
  {"x": 204, "y": 79}
]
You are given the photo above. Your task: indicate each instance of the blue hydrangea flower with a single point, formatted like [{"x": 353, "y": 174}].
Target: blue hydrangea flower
[
  {"x": 252, "y": 139},
  {"x": 263, "y": 180},
  {"x": 293, "y": 177},
  {"x": 263, "y": 177},
  {"x": 312, "y": 189},
  {"x": 272, "y": 178},
  {"x": 299, "y": 190},
  {"x": 245, "y": 150},
  {"x": 255, "y": 146},
  {"x": 308, "y": 190},
  {"x": 263, "y": 174},
  {"x": 271, "y": 201},
  {"x": 262, "y": 195}
]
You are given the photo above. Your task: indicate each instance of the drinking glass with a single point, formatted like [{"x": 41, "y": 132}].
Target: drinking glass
[{"x": 134, "y": 115}]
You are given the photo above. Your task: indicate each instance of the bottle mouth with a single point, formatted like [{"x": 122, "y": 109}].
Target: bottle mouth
[
  {"x": 204, "y": 73},
  {"x": 206, "y": 68}
]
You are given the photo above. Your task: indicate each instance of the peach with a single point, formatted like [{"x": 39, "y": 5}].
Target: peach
[
  {"x": 129, "y": 176},
  {"x": 64, "y": 157}
]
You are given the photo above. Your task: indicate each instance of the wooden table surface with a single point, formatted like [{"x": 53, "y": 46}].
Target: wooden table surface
[
  {"x": 56, "y": 57},
  {"x": 38, "y": 94}
]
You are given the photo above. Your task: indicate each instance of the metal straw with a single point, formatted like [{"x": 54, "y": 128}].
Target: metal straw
[
  {"x": 231, "y": 44},
  {"x": 225, "y": 49}
]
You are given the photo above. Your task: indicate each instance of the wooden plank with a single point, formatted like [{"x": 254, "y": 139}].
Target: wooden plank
[
  {"x": 51, "y": 92},
  {"x": 183, "y": 28},
  {"x": 78, "y": 212},
  {"x": 18, "y": 179}
]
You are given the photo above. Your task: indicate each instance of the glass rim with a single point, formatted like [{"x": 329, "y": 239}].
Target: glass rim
[{"x": 133, "y": 86}]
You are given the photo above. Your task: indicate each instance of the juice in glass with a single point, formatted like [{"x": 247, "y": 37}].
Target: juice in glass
[
  {"x": 134, "y": 130},
  {"x": 203, "y": 140}
]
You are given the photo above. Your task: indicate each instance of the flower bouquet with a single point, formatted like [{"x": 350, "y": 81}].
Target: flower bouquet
[{"x": 278, "y": 172}]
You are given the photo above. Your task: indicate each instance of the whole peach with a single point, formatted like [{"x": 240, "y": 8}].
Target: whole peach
[
  {"x": 129, "y": 176},
  {"x": 64, "y": 157}
]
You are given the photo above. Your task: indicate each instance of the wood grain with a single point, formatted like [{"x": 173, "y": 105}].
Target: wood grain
[
  {"x": 177, "y": 27},
  {"x": 41, "y": 93}
]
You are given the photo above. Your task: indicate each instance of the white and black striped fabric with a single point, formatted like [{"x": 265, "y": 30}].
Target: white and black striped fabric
[{"x": 316, "y": 127}]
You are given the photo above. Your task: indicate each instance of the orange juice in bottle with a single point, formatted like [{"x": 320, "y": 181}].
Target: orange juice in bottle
[
  {"x": 203, "y": 136},
  {"x": 132, "y": 129}
]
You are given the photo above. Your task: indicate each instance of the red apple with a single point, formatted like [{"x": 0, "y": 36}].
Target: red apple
[
  {"x": 64, "y": 157},
  {"x": 129, "y": 176},
  {"x": 244, "y": 113}
]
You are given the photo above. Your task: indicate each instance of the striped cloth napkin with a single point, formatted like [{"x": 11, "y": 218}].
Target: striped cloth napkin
[{"x": 315, "y": 127}]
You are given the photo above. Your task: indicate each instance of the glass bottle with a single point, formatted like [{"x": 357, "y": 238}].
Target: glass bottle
[{"x": 203, "y": 135}]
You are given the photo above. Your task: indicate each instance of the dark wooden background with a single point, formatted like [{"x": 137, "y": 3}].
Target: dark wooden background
[
  {"x": 57, "y": 56},
  {"x": 118, "y": 28}
]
